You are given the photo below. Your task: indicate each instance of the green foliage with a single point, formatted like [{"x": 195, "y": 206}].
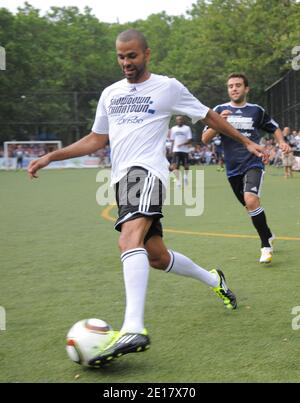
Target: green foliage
[
  {"x": 55, "y": 65},
  {"x": 62, "y": 61}
]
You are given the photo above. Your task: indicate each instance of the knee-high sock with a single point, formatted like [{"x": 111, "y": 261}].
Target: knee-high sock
[
  {"x": 259, "y": 221},
  {"x": 184, "y": 266},
  {"x": 135, "y": 270}
]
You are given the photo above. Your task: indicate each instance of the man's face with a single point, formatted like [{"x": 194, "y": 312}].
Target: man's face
[
  {"x": 237, "y": 90},
  {"x": 133, "y": 60},
  {"x": 179, "y": 121}
]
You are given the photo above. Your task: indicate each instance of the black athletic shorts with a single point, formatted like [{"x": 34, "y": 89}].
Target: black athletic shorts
[
  {"x": 140, "y": 194},
  {"x": 180, "y": 158},
  {"x": 250, "y": 182}
]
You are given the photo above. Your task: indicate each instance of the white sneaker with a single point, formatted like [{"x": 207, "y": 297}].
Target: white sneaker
[
  {"x": 266, "y": 255},
  {"x": 271, "y": 240}
]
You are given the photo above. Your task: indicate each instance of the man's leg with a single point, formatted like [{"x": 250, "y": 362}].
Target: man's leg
[
  {"x": 135, "y": 269},
  {"x": 132, "y": 337},
  {"x": 252, "y": 187},
  {"x": 259, "y": 221},
  {"x": 247, "y": 190},
  {"x": 186, "y": 168},
  {"x": 139, "y": 196},
  {"x": 176, "y": 168},
  {"x": 173, "y": 262}
]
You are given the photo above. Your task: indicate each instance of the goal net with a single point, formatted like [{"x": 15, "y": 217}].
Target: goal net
[{"x": 18, "y": 154}]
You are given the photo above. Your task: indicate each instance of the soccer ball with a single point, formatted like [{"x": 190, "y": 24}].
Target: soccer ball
[{"x": 86, "y": 338}]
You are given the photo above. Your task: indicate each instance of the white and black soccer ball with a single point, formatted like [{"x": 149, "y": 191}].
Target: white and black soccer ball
[{"x": 87, "y": 338}]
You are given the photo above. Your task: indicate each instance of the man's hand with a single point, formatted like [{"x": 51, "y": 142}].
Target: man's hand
[
  {"x": 284, "y": 147},
  {"x": 257, "y": 149},
  {"x": 225, "y": 114},
  {"x": 35, "y": 165}
]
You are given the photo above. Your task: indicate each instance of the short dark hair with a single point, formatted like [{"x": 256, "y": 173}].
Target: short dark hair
[
  {"x": 133, "y": 34},
  {"x": 239, "y": 75}
]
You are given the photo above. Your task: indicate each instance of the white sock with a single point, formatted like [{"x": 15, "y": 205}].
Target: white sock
[
  {"x": 183, "y": 266},
  {"x": 135, "y": 270}
]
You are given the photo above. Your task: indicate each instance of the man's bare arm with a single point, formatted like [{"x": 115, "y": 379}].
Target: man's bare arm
[{"x": 87, "y": 145}]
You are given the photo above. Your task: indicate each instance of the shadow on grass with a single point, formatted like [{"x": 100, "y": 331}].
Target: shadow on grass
[{"x": 117, "y": 368}]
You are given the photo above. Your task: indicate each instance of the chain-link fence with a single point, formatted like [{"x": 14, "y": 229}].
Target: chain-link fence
[
  {"x": 283, "y": 100},
  {"x": 52, "y": 115}
]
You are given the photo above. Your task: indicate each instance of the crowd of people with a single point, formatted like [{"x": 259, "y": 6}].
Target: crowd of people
[
  {"x": 290, "y": 161},
  {"x": 212, "y": 154},
  {"x": 22, "y": 151},
  {"x": 198, "y": 153},
  {"x": 28, "y": 150}
]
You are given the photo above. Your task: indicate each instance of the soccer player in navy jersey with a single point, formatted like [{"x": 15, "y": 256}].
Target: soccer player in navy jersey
[{"x": 245, "y": 171}]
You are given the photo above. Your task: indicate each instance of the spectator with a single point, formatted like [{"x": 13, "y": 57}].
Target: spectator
[{"x": 288, "y": 158}]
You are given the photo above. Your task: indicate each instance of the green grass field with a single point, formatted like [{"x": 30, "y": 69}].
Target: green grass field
[{"x": 60, "y": 263}]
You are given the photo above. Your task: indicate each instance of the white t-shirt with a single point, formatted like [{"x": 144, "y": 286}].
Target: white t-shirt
[
  {"x": 180, "y": 135},
  {"x": 137, "y": 116}
]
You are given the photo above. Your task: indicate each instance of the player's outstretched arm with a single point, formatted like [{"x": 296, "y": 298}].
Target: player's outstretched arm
[
  {"x": 216, "y": 122},
  {"x": 87, "y": 145}
]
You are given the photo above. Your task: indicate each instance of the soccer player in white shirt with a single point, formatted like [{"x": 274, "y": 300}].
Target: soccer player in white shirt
[
  {"x": 134, "y": 114},
  {"x": 181, "y": 137}
]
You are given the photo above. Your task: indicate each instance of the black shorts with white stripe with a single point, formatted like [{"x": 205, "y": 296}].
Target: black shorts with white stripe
[
  {"x": 250, "y": 182},
  {"x": 140, "y": 194}
]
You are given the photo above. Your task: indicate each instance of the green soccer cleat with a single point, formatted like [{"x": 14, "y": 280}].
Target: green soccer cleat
[
  {"x": 223, "y": 291},
  {"x": 123, "y": 344}
]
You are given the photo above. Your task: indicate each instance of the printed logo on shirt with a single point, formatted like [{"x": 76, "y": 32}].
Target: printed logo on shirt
[
  {"x": 129, "y": 104},
  {"x": 241, "y": 122},
  {"x": 126, "y": 120}
]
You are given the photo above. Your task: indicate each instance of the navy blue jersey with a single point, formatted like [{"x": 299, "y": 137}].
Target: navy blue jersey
[{"x": 248, "y": 120}]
